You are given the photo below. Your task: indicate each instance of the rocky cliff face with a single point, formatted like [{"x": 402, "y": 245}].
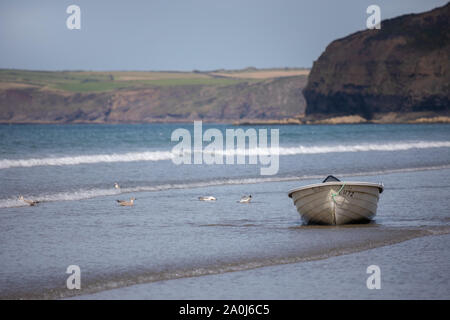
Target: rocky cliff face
[
  {"x": 269, "y": 99},
  {"x": 403, "y": 67}
]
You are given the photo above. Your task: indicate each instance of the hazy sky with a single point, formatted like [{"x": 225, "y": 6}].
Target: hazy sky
[{"x": 181, "y": 34}]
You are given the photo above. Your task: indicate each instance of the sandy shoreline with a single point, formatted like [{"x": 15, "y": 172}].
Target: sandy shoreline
[
  {"x": 382, "y": 118},
  {"x": 320, "y": 244},
  {"x": 341, "y": 276}
]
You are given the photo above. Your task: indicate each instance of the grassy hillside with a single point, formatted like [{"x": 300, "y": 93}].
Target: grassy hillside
[
  {"x": 84, "y": 96},
  {"x": 85, "y": 81}
]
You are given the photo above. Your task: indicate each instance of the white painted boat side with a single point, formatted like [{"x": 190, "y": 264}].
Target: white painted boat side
[
  {"x": 354, "y": 184},
  {"x": 337, "y": 202}
]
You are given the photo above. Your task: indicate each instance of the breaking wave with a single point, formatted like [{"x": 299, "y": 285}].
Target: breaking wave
[
  {"x": 87, "y": 159},
  {"x": 364, "y": 147},
  {"x": 160, "y": 155}
]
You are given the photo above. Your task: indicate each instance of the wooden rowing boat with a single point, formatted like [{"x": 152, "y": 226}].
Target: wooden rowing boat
[{"x": 337, "y": 202}]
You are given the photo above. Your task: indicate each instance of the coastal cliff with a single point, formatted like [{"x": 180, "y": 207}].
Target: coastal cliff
[{"x": 401, "y": 68}]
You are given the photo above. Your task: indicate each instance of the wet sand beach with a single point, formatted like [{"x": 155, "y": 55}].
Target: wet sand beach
[{"x": 413, "y": 269}]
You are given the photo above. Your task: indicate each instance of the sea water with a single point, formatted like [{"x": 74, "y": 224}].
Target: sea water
[{"x": 168, "y": 233}]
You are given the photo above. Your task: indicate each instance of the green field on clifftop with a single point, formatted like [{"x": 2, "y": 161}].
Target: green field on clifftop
[{"x": 98, "y": 81}]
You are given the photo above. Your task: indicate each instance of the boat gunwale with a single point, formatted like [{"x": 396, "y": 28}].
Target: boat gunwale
[{"x": 380, "y": 186}]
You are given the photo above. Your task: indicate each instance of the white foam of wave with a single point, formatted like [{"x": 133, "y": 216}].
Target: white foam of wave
[
  {"x": 168, "y": 155},
  {"x": 59, "y": 196},
  {"x": 93, "y": 193},
  {"x": 364, "y": 147},
  {"x": 87, "y": 159}
]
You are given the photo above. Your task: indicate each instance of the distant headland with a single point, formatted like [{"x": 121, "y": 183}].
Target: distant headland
[{"x": 397, "y": 74}]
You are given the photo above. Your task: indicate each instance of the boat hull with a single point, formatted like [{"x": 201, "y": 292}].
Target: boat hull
[{"x": 337, "y": 203}]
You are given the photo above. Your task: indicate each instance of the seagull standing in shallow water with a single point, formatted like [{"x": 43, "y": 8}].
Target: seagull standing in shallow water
[
  {"x": 246, "y": 199},
  {"x": 116, "y": 185},
  {"x": 126, "y": 203},
  {"x": 208, "y": 198}
]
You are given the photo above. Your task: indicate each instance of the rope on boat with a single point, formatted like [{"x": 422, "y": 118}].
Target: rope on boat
[{"x": 337, "y": 193}]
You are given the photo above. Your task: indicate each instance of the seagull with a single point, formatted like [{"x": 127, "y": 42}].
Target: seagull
[
  {"x": 126, "y": 203},
  {"x": 208, "y": 198},
  {"x": 116, "y": 185},
  {"x": 30, "y": 202},
  {"x": 245, "y": 199}
]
